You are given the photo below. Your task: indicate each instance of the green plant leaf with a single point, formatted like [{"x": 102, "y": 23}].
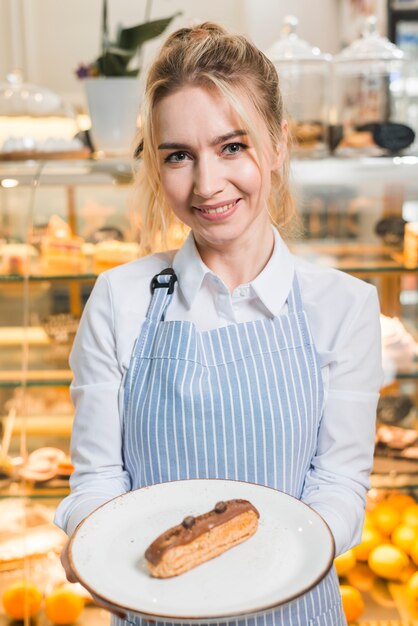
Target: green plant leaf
[
  {"x": 112, "y": 65},
  {"x": 121, "y": 52},
  {"x": 132, "y": 38}
]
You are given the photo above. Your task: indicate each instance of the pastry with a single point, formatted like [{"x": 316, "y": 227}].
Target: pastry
[{"x": 198, "y": 539}]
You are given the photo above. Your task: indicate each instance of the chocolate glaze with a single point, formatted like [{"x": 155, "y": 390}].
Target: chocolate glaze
[{"x": 185, "y": 533}]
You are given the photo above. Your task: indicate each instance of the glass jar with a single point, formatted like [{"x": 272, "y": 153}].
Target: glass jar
[
  {"x": 34, "y": 121},
  {"x": 304, "y": 78},
  {"x": 369, "y": 97}
]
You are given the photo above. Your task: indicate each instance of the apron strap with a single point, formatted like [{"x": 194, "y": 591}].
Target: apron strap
[
  {"x": 162, "y": 289},
  {"x": 294, "y": 299}
]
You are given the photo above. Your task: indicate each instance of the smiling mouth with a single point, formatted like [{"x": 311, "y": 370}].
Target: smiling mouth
[{"x": 220, "y": 209}]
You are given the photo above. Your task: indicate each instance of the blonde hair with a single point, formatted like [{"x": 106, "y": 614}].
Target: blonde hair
[{"x": 207, "y": 55}]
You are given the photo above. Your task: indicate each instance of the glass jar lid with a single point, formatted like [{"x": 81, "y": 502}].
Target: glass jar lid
[
  {"x": 290, "y": 47},
  {"x": 371, "y": 46},
  {"x": 18, "y": 98}
]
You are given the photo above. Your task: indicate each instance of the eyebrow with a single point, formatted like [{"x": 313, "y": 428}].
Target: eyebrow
[{"x": 216, "y": 141}]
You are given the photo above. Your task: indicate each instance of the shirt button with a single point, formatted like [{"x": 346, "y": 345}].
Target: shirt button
[{"x": 243, "y": 292}]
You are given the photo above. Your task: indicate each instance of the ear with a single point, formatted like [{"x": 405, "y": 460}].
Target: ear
[{"x": 281, "y": 148}]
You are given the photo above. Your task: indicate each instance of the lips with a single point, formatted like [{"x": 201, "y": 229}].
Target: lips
[{"x": 220, "y": 207}]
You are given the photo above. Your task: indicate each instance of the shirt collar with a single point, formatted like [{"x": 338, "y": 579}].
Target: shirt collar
[{"x": 271, "y": 286}]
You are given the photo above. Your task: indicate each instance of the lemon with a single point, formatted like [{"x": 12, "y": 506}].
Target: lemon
[
  {"x": 63, "y": 606},
  {"x": 353, "y": 603},
  {"x": 21, "y": 599},
  {"x": 344, "y": 562},
  {"x": 404, "y": 536},
  {"x": 370, "y": 538},
  {"x": 386, "y": 517},
  {"x": 388, "y": 561}
]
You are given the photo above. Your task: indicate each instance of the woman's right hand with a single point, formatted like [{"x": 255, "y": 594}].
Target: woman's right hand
[{"x": 72, "y": 578}]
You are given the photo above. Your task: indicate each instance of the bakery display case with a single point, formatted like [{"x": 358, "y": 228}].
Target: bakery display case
[
  {"x": 63, "y": 222},
  {"x": 60, "y": 224}
]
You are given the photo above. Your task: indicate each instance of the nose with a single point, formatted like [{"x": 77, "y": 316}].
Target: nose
[{"x": 208, "y": 179}]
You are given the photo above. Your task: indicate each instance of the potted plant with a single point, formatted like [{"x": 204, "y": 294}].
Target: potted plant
[{"x": 111, "y": 82}]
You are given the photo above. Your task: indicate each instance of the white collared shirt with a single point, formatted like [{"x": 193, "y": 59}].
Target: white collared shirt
[{"x": 343, "y": 315}]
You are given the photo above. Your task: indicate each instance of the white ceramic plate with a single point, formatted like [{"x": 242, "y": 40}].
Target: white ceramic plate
[{"x": 291, "y": 551}]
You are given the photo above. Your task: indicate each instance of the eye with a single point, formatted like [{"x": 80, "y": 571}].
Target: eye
[
  {"x": 234, "y": 148},
  {"x": 176, "y": 157}
]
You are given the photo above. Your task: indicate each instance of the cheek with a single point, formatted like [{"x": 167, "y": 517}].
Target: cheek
[
  {"x": 175, "y": 185},
  {"x": 250, "y": 176}
]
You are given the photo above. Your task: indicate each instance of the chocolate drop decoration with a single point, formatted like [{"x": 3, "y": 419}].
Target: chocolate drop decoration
[
  {"x": 189, "y": 521},
  {"x": 220, "y": 507}
]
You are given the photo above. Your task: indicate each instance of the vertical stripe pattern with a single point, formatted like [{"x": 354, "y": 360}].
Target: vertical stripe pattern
[{"x": 240, "y": 402}]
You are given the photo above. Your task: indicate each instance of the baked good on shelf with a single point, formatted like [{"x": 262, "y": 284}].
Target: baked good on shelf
[
  {"x": 108, "y": 254},
  {"x": 199, "y": 539},
  {"x": 398, "y": 345},
  {"x": 16, "y": 258},
  {"x": 61, "y": 250},
  {"x": 393, "y": 409},
  {"x": 411, "y": 244},
  {"x": 42, "y": 464}
]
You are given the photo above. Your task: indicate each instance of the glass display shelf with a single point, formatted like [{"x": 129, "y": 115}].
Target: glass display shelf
[
  {"x": 20, "y": 489},
  {"x": 18, "y": 278},
  {"x": 354, "y": 258}
]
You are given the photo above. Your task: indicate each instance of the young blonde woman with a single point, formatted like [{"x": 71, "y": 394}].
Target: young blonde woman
[{"x": 269, "y": 369}]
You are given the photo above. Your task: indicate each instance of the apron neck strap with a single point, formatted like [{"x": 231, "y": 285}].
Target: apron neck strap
[
  {"x": 294, "y": 299},
  {"x": 162, "y": 289}
]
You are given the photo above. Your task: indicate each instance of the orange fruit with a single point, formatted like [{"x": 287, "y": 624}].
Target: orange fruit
[
  {"x": 412, "y": 587},
  {"x": 404, "y": 536},
  {"x": 21, "y": 599},
  {"x": 388, "y": 561},
  {"x": 410, "y": 516},
  {"x": 344, "y": 562},
  {"x": 353, "y": 603},
  {"x": 63, "y": 606},
  {"x": 361, "y": 577},
  {"x": 386, "y": 517},
  {"x": 368, "y": 520},
  {"x": 400, "y": 501},
  {"x": 370, "y": 538},
  {"x": 414, "y": 551}
]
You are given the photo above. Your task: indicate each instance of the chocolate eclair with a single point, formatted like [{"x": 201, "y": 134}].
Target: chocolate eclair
[{"x": 199, "y": 539}]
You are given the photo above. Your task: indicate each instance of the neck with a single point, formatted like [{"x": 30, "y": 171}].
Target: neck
[{"x": 239, "y": 262}]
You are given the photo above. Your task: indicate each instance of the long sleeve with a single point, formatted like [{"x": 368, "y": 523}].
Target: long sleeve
[
  {"x": 96, "y": 442},
  {"x": 338, "y": 479}
]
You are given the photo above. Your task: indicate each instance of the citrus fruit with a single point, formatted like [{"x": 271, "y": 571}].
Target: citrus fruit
[
  {"x": 386, "y": 517},
  {"x": 361, "y": 577},
  {"x": 63, "y": 606},
  {"x": 414, "y": 551},
  {"x": 368, "y": 520},
  {"x": 353, "y": 604},
  {"x": 344, "y": 562},
  {"x": 388, "y": 561},
  {"x": 370, "y": 538},
  {"x": 412, "y": 587},
  {"x": 404, "y": 536},
  {"x": 410, "y": 515},
  {"x": 400, "y": 501},
  {"x": 21, "y": 599}
]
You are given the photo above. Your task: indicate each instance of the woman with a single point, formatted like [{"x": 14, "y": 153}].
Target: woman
[{"x": 269, "y": 371}]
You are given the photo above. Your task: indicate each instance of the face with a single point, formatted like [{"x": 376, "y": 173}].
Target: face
[{"x": 211, "y": 175}]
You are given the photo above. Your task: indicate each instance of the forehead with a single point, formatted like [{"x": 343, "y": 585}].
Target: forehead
[{"x": 197, "y": 113}]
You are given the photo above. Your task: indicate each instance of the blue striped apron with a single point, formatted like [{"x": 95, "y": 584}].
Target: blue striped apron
[{"x": 241, "y": 402}]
